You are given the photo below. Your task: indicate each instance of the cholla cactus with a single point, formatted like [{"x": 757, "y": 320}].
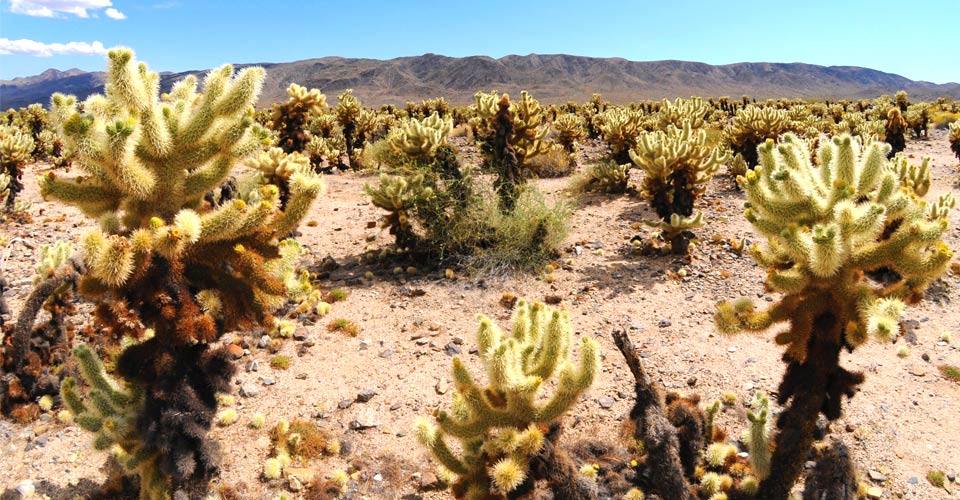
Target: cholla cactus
[
  {"x": 895, "y": 131},
  {"x": 915, "y": 178},
  {"x": 399, "y": 196},
  {"x": 184, "y": 269},
  {"x": 348, "y": 112},
  {"x": 528, "y": 137},
  {"x": 279, "y": 169},
  {"x": 290, "y": 118},
  {"x": 752, "y": 126},
  {"x": 678, "y": 165},
  {"x": 16, "y": 148},
  {"x": 419, "y": 139},
  {"x": 620, "y": 128},
  {"x": 757, "y": 435},
  {"x": 607, "y": 177},
  {"x": 954, "y": 138},
  {"x": 918, "y": 118},
  {"x": 825, "y": 227},
  {"x": 502, "y": 426},
  {"x": 679, "y": 111},
  {"x": 570, "y": 129}
]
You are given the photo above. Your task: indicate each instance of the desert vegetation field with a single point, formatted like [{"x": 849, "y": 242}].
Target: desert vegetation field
[{"x": 708, "y": 299}]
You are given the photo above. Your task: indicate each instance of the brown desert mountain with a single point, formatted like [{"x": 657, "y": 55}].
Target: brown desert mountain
[{"x": 550, "y": 78}]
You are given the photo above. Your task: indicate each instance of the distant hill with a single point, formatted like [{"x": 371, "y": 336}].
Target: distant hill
[{"x": 550, "y": 78}]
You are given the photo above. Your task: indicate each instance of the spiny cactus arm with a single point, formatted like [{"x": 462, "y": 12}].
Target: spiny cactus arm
[
  {"x": 758, "y": 436},
  {"x": 550, "y": 350},
  {"x": 429, "y": 436},
  {"x": 741, "y": 315},
  {"x": 92, "y": 198},
  {"x": 304, "y": 189},
  {"x": 573, "y": 382}
]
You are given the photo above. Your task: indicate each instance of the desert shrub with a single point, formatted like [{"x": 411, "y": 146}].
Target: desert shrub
[
  {"x": 504, "y": 428},
  {"x": 826, "y": 226},
  {"x": 556, "y": 162},
  {"x": 186, "y": 270}
]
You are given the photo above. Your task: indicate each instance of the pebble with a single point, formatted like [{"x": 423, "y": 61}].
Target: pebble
[
  {"x": 451, "y": 349},
  {"x": 664, "y": 323},
  {"x": 345, "y": 403},
  {"x": 267, "y": 381},
  {"x": 25, "y": 488},
  {"x": 441, "y": 387},
  {"x": 300, "y": 333},
  {"x": 366, "y": 395},
  {"x": 913, "y": 480},
  {"x": 253, "y": 366},
  {"x": 876, "y": 476},
  {"x": 249, "y": 390},
  {"x": 264, "y": 341},
  {"x": 606, "y": 402},
  {"x": 874, "y": 492},
  {"x": 366, "y": 419}
]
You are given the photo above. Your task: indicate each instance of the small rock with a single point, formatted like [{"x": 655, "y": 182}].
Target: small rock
[
  {"x": 731, "y": 349},
  {"x": 553, "y": 299},
  {"x": 442, "y": 387},
  {"x": 300, "y": 333},
  {"x": 809, "y": 464},
  {"x": 429, "y": 481},
  {"x": 234, "y": 351},
  {"x": 294, "y": 484},
  {"x": 874, "y": 492},
  {"x": 606, "y": 402},
  {"x": 366, "y": 419},
  {"x": 917, "y": 372},
  {"x": 301, "y": 376},
  {"x": 692, "y": 381},
  {"x": 378, "y": 477},
  {"x": 876, "y": 476},
  {"x": 345, "y": 403},
  {"x": 302, "y": 474},
  {"x": 664, "y": 323},
  {"x": 925, "y": 357},
  {"x": 913, "y": 480},
  {"x": 25, "y": 488},
  {"x": 249, "y": 390},
  {"x": 253, "y": 366},
  {"x": 267, "y": 381},
  {"x": 386, "y": 354},
  {"x": 366, "y": 395},
  {"x": 451, "y": 349},
  {"x": 264, "y": 341}
]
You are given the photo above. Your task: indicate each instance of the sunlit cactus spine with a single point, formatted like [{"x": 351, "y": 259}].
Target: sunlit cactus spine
[
  {"x": 825, "y": 227},
  {"x": 503, "y": 425},
  {"x": 678, "y": 165},
  {"x": 184, "y": 269}
]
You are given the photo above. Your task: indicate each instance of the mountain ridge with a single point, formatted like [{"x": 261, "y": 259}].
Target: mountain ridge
[{"x": 548, "y": 77}]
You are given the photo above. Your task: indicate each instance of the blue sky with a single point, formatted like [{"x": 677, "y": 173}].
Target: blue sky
[{"x": 909, "y": 39}]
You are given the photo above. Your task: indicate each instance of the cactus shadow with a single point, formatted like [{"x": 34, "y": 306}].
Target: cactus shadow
[{"x": 46, "y": 489}]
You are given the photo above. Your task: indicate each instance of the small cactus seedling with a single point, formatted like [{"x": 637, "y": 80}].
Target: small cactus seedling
[
  {"x": 826, "y": 226},
  {"x": 504, "y": 425}
]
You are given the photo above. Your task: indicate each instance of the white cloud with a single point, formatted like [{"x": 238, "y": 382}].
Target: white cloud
[
  {"x": 59, "y": 8},
  {"x": 39, "y": 49}
]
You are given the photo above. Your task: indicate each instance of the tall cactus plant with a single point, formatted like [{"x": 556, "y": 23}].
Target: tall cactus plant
[
  {"x": 825, "y": 227},
  {"x": 187, "y": 269}
]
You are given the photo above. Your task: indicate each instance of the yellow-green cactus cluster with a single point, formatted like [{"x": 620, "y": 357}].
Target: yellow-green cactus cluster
[
  {"x": 915, "y": 178},
  {"x": 570, "y": 129},
  {"x": 530, "y": 129},
  {"x": 51, "y": 258},
  {"x": 16, "y": 146},
  {"x": 679, "y": 111},
  {"x": 757, "y": 435},
  {"x": 148, "y": 164},
  {"x": 678, "y": 164},
  {"x": 620, "y": 127},
  {"x": 419, "y": 139},
  {"x": 954, "y": 138},
  {"x": 278, "y": 168},
  {"x": 753, "y": 125},
  {"x": 501, "y": 426},
  {"x": 110, "y": 412},
  {"x": 399, "y": 195},
  {"x": 311, "y": 100},
  {"x": 825, "y": 226}
]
